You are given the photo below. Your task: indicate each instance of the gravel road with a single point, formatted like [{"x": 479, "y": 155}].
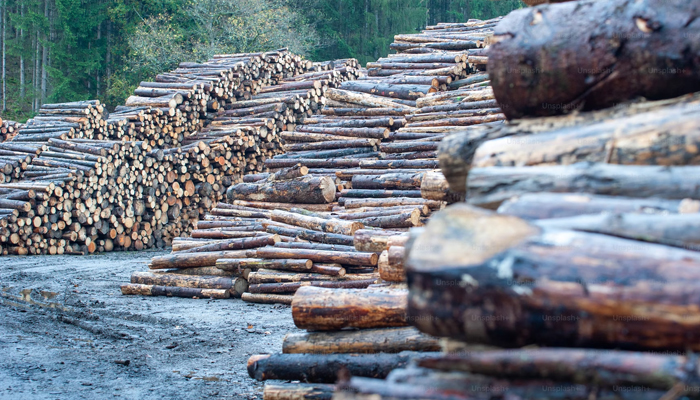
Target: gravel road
[{"x": 66, "y": 332}]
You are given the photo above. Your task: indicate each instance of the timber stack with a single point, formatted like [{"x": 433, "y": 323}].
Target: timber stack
[
  {"x": 70, "y": 180},
  {"x": 8, "y": 129},
  {"x": 573, "y": 258}
]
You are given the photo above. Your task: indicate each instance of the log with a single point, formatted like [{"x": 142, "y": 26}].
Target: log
[
  {"x": 434, "y": 186},
  {"x": 377, "y": 241},
  {"x": 387, "y": 181},
  {"x": 520, "y": 285},
  {"x": 606, "y": 369},
  {"x": 292, "y": 287},
  {"x": 665, "y": 136},
  {"x": 298, "y": 391},
  {"x": 679, "y": 230},
  {"x": 393, "y": 202},
  {"x": 324, "y": 368},
  {"x": 202, "y": 282},
  {"x": 365, "y": 341},
  {"x": 585, "y": 64},
  {"x": 309, "y": 189},
  {"x": 237, "y": 265},
  {"x": 309, "y": 234},
  {"x": 323, "y": 309},
  {"x": 235, "y": 244},
  {"x": 319, "y": 256},
  {"x": 562, "y": 205},
  {"x": 336, "y": 226},
  {"x": 489, "y": 187},
  {"x": 265, "y": 298},
  {"x": 192, "y": 260},
  {"x": 150, "y": 290},
  {"x": 391, "y": 266}
]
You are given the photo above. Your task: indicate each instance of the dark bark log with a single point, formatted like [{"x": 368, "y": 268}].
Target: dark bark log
[
  {"x": 320, "y": 256},
  {"x": 387, "y": 181},
  {"x": 646, "y": 50},
  {"x": 292, "y": 287}
]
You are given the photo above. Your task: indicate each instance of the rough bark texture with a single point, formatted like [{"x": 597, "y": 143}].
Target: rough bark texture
[
  {"x": 318, "y": 368},
  {"x": 556, "y": 58},
  {"x": 496, "y": 279},
  {"x": 333, "y": 309},
  {"x": 388, "y": 340},
  {"x": 309, "y": 189},
  {"x": 489, "y": 187}
]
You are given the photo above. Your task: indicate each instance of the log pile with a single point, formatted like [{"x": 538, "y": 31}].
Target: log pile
[{"x": 8, "y": 129}]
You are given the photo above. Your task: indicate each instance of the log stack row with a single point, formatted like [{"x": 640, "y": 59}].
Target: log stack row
[
  {"x": 8, "y": 129},
  {"x": 80, "y": 196}
]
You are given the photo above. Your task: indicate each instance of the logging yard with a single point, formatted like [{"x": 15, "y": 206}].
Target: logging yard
[{"x": 501, "y": 209}]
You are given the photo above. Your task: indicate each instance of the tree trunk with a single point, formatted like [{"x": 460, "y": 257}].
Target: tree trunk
[
  {"x": 324, "y": 368},
  {"x": 521, "y": 285},
  {"x": 562, "y": 205},
  {"x": 364, "y": 341},
  {"x": 489, "y": 187},
  {"x": 333, "y": 309},
  {"x": 298, "y": 391},
  {"x": 646, "y": 50},
  {"x": 309, "y": 189}
]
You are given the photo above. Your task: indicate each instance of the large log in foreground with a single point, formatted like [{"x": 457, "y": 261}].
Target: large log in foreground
[
  {"x": 606, "y": 369},
  {"x": 497, "y": 279},
  {"x": 645, "y": 48},
  {"x": 489, "y": 187}
]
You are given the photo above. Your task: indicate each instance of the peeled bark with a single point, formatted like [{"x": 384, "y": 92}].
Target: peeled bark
[
  {"x": 645, "y": 49},
  {"x": 171, "y": 291},
  {"x": 364, "y": 341},
  {"x": 309, "y": 189},
  {"x": 498, "y": 280},
  {"x": 333, "y": 309}
]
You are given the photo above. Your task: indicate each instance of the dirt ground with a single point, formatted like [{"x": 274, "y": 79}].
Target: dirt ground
[{"x": 66, "y": 332}]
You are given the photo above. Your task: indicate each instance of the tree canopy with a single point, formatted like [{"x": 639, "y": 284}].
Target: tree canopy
[{"x": 69, "y": 50}]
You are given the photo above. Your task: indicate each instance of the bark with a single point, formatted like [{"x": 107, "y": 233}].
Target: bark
[
  {"x": 334, "y": 309},
  {"x": 265, "y": 298},
  {"x": 239, "y": 265},
  {"x": 387, "y": 181},
  {"x": 434, "y": 186},
  {"x": 336, "y": 226},
  {"x": 562, "y": 205},
  {"x": 309, "y": 189},
  {"x": 298, "y": 391},
  {"x": 391, "y": 264},
  {"x": 320, "y": 256},
  {"x": 665, "y": 136},
  {"x": 322, "y": 368},
  {"x": 192, "y": 260},
  {"x": 309, "y": 234},
  {"x": 489, "y": 187},
  {"x": 646, "y": 50},
  {"x": 377, "y": 241},
  {"x": 170, "y": 291},
  {"x": 406, "y": 92},
  {"x": 498, "y": 280},
  {"x": 364, "y": 341},
  {"x": 292, "y": 287},
  {"x": 605, "y": 369},
  {"x": 202, "y": 282}
]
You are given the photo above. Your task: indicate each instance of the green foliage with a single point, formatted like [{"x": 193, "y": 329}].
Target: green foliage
[{"x": 104, "y": 48}]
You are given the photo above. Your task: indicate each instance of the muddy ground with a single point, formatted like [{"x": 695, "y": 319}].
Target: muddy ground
[{"x": 66, "y": 332}]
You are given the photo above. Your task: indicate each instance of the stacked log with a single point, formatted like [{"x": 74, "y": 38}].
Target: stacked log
[
  {"x": 80, "y": 196},
  {"x": 8, "y": 129},
  {"x": 76, "y": 120},
  {"x": 570, "y": 76},
  {"x": 533, "y": 374}
]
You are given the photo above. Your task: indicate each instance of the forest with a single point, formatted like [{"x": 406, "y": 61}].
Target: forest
[{"x": 69, "y": 50}]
